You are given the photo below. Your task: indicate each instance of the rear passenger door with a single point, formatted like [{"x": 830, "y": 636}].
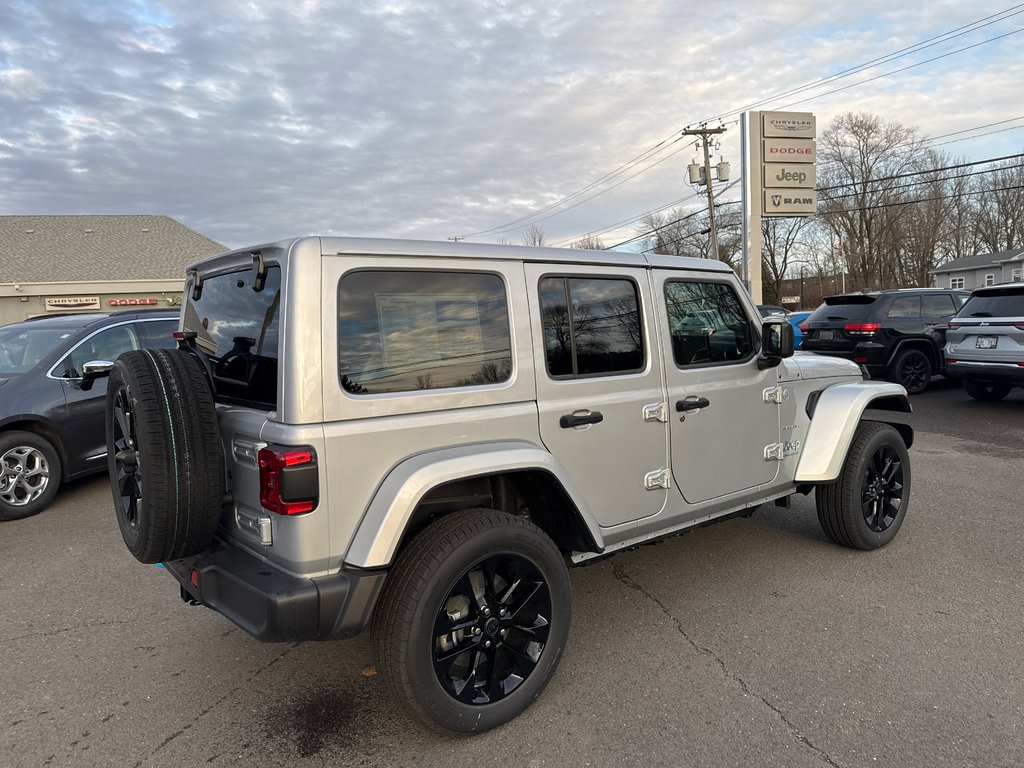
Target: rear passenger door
[
  {"x": 599, "y": 385},
  {"x": 720, "y": 420}
]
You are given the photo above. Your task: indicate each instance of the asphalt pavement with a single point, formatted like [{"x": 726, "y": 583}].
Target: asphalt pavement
[{"x": 755, "y": 642}]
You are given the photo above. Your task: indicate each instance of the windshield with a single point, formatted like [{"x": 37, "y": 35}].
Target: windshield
[
  {"x": 237, "y": 327},
  {"x": 22, "y": 346}
]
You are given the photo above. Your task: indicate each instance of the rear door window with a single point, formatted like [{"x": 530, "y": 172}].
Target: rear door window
[
  {"x": 904, "y": 307},
  {"x": 592, "y": 326},
  {"x": 237, "y": 327}
]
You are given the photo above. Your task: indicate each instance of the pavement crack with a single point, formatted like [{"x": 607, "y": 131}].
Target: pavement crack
[
  {"x": 619, "y": 571},
  {"x": 224, "y": 698},
  {"x": 73, "y": 628}
]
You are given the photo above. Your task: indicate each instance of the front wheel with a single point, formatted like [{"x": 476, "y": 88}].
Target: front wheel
[
  {"x": 473, "y": 620},
  {"x": 980, "y": 390},
  {"x": 913, "y": 370},
  {"x": 867, "y": 503},
  {"x": 30, "y": 474}
]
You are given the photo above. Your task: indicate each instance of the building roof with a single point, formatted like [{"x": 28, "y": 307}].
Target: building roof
[
  {"x": 45, "y": 249},
  {"x": 979, "y": 261}
]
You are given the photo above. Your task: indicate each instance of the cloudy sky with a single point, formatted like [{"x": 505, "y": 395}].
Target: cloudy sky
[{"x": 255, "y": 121}]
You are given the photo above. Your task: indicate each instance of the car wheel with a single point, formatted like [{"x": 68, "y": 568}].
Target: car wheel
[
  {"x": 163, "y": 454},
  {"x": 30, "y": 474},
  {"x": 866, "y": 505},
  {"x": 986, "y": 391},
  {"x": 912, "y": 369},
  {"x": 473, "y": 620}
]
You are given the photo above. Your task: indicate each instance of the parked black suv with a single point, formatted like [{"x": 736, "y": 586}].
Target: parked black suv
[
  {"x": 51, "y": 402},
  {"x": 897, "y": 334}
]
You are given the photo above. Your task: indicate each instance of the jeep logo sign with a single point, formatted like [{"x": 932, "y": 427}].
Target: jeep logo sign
[{"x": 795, "y": 175}]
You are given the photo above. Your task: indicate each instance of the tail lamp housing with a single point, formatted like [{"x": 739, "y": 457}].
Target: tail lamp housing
[
  {"x": 862, "y": 329},
  {"x": 289, "y": 480}
]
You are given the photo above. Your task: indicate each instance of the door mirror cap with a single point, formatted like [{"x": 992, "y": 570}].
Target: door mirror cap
[
  {"x": 92, "y": 370},
  {"x": 776, "y": 342}
]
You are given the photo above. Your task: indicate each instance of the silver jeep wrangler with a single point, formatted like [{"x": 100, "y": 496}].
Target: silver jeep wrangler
[{"x": 421, "y": 437}]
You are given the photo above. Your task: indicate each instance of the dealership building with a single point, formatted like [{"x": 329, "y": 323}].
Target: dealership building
[{"x": 51, "y": 264}]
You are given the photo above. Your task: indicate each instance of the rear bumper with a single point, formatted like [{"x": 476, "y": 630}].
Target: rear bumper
[
  {"x": 1009, "y": 373},
  {"x": 275, "y": 606}
]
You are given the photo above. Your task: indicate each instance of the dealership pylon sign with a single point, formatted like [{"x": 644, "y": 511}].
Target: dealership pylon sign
[{"x": 780, "y": 174}]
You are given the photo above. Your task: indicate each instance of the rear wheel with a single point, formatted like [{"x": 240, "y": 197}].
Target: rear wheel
[
  {"x": 912, "y": 369},
  {"x": 866, "y": 505},
  {"x": 473, "y": 620},
  {"x": 163, "y": 454},
  {"x": 30, "y": 474},
  {"x": 986, "y": 391}
]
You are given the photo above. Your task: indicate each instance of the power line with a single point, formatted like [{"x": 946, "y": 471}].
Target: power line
[{"x": 664, "y": 143}]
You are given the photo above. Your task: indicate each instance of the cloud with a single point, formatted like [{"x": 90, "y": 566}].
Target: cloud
[{"x": 255, "y": 121}]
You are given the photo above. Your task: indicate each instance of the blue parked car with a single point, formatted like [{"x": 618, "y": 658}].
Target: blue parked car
[{"x": 795, "y": 319}]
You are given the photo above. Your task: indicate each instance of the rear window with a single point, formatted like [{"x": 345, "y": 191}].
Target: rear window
[
  {"x": 237, "y": 327},
  {"x": 1008, "y": 302},
  {"x": 836, "y": 308}
]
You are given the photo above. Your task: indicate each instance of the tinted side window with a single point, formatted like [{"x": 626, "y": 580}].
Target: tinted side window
[
  {"x": 401, "y": 331},
  {"x": 905, "y": 307},
  {"x": 105, "y": 345},
  {"x": 592, "y": 326},
  {"x": 937, "y": 305},
  {"x": 156, "y": 334},
  {"x": 707, "y": 323}
]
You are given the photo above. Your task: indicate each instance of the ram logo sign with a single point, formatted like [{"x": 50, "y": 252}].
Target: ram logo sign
[{"x": 790, "y": 202}]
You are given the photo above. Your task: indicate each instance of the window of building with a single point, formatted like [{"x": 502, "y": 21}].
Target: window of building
[
  {"x": 990, "y": 279},
  {"x": 707, "y": 324},
  {"x": 956, "y": 282},
  {"x": 1017, "y": 275},
  {"x": 408, "y": 330},
  {"x": 592, "y": 326}
]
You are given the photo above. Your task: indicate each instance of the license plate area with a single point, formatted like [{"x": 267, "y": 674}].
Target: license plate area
[
  {"x": 826, "y": 335},
  {"x": 986, "y": 342}
]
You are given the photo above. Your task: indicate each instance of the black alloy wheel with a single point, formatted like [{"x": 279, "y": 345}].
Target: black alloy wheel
[
  {"x": 882, "y": 488},
  {"x": 491, "y": 629},
  {"x": 913, "y": 371},
  {"x": 127, "y": 464}
]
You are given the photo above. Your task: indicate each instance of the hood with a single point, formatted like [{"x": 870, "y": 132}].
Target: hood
[{"x": 814, "y": 366}]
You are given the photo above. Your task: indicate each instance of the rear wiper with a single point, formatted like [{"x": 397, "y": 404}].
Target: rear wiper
[{"x": 981, "y": 314}]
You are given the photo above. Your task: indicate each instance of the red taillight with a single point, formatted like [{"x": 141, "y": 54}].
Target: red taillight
[
  {"x": 860, "y": 360},
  {"x": 805, "y": 328},
  {"x": 194, "y": 578},
  {"x": 950, "y": 361},
  {"x": 273, "y": 464},
  {"x": 862, "y": 329},
  {"x": 954, "y": 326}
]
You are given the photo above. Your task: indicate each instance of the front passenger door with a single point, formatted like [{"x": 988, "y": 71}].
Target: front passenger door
[{"x": 719, "y": 421}]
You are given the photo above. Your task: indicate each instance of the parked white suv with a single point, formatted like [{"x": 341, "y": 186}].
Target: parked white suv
[{"x": 422, "y": 436}]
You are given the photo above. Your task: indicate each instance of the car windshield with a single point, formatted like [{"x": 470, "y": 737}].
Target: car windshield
[{"x": 22, "y": 346}]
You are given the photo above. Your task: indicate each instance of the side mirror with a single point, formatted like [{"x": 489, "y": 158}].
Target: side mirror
[
  {"x": 776, "y": 342},
  {"x": 94, "y": 369}
]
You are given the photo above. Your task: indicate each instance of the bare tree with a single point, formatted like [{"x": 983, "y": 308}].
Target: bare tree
[
  {"x": 780, "y": 243},
  {"x": 860, "y": 160},
  {"x": 534, "y": 235},
  {"x": 1000, "y": 215},
  {"x": 588, "y": 243}
]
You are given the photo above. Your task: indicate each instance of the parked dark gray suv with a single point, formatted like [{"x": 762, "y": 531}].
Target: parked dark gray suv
[{"x": 51, "y": 403}]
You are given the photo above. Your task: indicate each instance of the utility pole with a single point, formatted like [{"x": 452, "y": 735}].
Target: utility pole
[{"x": 705, "y": 176}]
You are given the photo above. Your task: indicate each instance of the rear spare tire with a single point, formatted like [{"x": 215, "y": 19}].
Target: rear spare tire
[{"x": 163, "y": 454}]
